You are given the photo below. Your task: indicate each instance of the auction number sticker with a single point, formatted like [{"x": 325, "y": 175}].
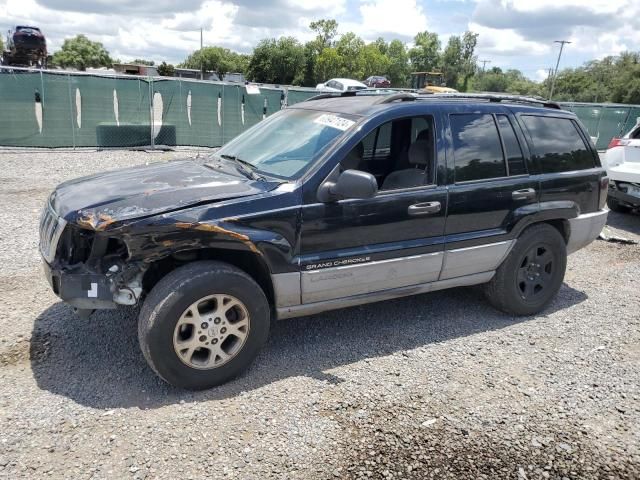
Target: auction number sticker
[{"x": 334, "y": 121}]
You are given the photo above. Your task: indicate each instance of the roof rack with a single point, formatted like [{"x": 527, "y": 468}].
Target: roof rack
[
  {"x": 409, "y": 96},
  {"x": 384, "y": 93},
  {"x": 320, "y": 96},
  {"x": 495, "y": 98},
  {"x": 400, "y": 96}
]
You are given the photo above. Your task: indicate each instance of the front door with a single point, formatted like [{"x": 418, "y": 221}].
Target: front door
[{"x": 395, "y": 239}]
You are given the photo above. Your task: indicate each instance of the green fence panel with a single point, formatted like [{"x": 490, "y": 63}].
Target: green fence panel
[
  {"x": 92, "y": 102},
  {"x": 174, "y": 111},
  {"x": 200, "y": 102},
  {"x": 295, "y": 96},
  {"x": 233, "y": 119},
  {"x": 258, "y": 106},
  {"x": 589, "y": 115},
  {"x": 632, "y": 119},
  {"x": 20, "y": 111},
  {"x": 58, "y": 128},
  {"x": 612, "y": 123},
  {"x": 133, "y": 101}
]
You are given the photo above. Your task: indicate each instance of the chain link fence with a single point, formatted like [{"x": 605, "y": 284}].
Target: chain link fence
[{"x": 74, "y": 109}]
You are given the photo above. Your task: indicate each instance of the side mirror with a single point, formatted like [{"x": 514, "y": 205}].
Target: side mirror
[{"x": 350, "y": 184}]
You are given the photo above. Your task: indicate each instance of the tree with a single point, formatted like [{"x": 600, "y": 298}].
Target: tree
[
  {"x": 326, "y": 31},
  {"x": 328, "y": 64},
  {"x": 216, "y": 59},
  {"x": 425, "y": 56},
  {"x": 398, "y": 69},
  {"x": 80, "y": 52},
  {"x": 140, "y": 61},
  {"x": 166, "y": 70},
  {"x": 458, "y": 62},
  {"x": 277, "y": 61},
  {"x": 349, "y": 49},
  {"x": 373, "y": 61},
  {"x": 511, "y": 81},
  {"x": 1, "y": 45},
  {"x": 626, "y": 86},
  {"x": 469, "y": 60}
]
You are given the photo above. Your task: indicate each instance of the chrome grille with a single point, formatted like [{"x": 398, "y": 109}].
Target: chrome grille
[{"x": 51, "y": 227}]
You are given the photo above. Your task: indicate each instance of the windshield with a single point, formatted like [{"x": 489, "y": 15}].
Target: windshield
[{"x": 287, "y": 143}]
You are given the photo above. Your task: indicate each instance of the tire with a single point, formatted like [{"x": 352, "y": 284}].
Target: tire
[
  {"x": 615, "y": 206},
  {"x": 171, "y": 326},
  {"x": 519, "y": 287}
]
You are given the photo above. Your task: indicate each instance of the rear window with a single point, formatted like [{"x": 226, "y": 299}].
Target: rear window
[
  {"x": 477, "y": 149},
  {"x": 557, "y": 144}
]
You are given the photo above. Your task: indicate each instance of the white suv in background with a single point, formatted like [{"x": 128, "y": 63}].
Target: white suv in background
[
  {"x": 623, "y": 167},
  {"x": 340, "y": 85}
]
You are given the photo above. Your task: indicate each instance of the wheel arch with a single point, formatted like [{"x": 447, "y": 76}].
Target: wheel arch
[{"x": 249, "y": 262}]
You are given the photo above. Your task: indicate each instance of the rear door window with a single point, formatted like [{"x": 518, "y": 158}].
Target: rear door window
[
  {"x": 557, "y": 144},
  {"x": 477, "y": 149}
]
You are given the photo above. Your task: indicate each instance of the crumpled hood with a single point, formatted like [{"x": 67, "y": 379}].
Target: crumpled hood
[{"x": 100, "y": 200}]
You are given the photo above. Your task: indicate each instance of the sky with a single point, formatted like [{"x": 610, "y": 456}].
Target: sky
[{"x": 512, "y": 33}]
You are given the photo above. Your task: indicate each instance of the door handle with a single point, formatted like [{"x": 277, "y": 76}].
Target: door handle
[
  {"x": 424, "y": 208},
  {"x": 524, "y": 194}
]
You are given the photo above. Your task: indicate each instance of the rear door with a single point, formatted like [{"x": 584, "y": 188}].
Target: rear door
[
  {"x": 567, "y": 166},
  {"x": 490, "y": 189}
]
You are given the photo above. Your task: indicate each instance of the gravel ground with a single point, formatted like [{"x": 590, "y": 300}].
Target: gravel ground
[{"x": 433, "y": 386}]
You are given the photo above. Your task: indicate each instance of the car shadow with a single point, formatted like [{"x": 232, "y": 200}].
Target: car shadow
[
  {"x": 96, "y": 361},
  {"x": 627, "y": 222}
]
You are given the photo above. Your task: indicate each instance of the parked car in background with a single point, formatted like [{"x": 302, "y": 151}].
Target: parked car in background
[
  {"x": 623, "y": 167},
  {"x": 340, "y": 85},
  {"x": 377, "y": 82},
  {"x": 330, "y": 203},
  {"x": 25, "y": 46}
]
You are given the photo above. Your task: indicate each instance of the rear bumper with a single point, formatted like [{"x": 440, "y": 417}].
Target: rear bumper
[
  {"x": 80, "y": 290},
  {"x": 624, "y": 197},
  {"x": 585, "y": 228}
]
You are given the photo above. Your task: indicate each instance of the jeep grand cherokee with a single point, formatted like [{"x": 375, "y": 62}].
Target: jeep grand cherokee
[{"x": 336, "y": 201}]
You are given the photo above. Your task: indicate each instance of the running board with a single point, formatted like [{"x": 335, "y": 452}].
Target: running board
[{"x": 319, "y": 307}]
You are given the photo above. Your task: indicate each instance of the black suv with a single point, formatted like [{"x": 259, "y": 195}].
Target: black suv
[{"x": 333, "y": 202}]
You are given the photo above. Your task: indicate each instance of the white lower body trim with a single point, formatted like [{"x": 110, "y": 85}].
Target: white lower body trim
[
  {"x": 481, "y": 258},
  {"x": 319, "y": 307},
  {"x": 349, "y": 280}
]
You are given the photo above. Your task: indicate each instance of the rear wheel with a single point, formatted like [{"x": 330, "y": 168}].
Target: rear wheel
[
  {"x": 203, "y": 324},
  {"x": 615, "y": 206},
  {"x": 531, "y": 275}
]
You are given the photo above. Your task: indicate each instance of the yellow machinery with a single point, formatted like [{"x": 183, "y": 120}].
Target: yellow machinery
[{"x": 430, "y": 82}]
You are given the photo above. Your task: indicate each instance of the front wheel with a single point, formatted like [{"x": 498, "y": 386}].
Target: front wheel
[
  {"x": 203, "y": 324},
  {"x": 531, "y": 275}
]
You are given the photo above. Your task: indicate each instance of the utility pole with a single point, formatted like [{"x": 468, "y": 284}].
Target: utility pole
[
  {"x": 555, "y": 74},
  {"x": 201, "y": 57},
  {"x": 484, "y": 63}
]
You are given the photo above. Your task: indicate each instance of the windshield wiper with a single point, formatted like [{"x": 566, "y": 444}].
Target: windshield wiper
[{"x": 244, "y": 167}]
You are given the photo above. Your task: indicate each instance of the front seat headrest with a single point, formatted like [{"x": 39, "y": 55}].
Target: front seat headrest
[{"x": 418, "y": 152}]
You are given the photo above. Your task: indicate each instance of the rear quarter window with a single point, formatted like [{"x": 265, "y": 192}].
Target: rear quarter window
[{"x": 557, "y": 144}]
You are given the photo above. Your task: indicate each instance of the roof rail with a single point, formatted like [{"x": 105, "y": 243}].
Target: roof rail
[
  {"x": 320, "y": 96},
  {"x": 402, "y": 96},
  {"x": 495, "y": 97},
  {"x": 369, "y": 92}
]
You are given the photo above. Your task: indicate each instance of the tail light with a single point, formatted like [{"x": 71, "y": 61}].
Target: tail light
[
  {"x": 618, "y": 142},
  {"x": 604, "y": 190}
]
